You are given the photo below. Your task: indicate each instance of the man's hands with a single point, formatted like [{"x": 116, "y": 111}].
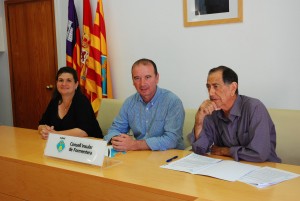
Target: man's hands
[
  {"x": 221, "y": 151},
  {"x": 206, "y": 108},
  {"x": 124, "y": 142}
]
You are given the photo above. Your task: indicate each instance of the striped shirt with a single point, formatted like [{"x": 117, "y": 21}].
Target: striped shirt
[{"x": 158, "y": 122}]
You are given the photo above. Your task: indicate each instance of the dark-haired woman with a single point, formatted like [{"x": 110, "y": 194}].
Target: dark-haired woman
[{"x": 69, "y": 111}]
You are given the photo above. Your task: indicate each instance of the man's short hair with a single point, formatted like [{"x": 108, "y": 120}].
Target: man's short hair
[{"x": 145, "y": 62}]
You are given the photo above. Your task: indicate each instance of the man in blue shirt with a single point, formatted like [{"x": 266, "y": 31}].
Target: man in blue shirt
[
  {"x": 154, "y": 115},
  {"x": 233, "y": 125}
]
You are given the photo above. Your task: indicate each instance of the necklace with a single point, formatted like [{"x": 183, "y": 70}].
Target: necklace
[{"x": 65, "y": 108}]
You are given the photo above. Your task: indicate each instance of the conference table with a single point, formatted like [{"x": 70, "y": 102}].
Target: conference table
[{"x": 27, "y": 174}]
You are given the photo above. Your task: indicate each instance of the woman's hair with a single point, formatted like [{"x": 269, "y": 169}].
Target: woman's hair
[
  {"x": 67, "y": 69},
  {"x": 62, "y": 70}
]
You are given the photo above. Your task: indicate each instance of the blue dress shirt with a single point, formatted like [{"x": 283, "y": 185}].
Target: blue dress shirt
[{"x": 158, "y": 122}]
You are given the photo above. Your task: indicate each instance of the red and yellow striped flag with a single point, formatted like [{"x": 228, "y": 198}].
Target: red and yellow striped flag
[
  {"x": 97, "y": 77},
  {"x": 87, "y": 59}
]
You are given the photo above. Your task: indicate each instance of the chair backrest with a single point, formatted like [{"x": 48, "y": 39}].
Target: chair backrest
[
  {"x": 188, "y": 125},
  {"x": 287, "y": 124},
  {"x": 109, "y": 109}
]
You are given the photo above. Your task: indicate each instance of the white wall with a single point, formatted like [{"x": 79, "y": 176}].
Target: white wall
[{"x": 264, "y": 49}]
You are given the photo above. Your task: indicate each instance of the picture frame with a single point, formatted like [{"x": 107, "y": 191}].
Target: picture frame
[{"x": 210, "y": 12}]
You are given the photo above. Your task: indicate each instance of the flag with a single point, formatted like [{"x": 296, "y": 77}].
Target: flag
[
  {"x": 73, "y": 45},
  {"x": 87, "y": 59},
  {"x": 97, "y": 78}
]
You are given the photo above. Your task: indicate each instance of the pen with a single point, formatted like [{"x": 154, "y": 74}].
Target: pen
[{"x": 170, "y": 159}]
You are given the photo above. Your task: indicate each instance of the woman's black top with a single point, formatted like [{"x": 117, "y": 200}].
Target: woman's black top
[{"x": 80, "y": 115}]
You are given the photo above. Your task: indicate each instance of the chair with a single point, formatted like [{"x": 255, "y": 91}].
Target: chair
[{"x": 109, "y": 109}]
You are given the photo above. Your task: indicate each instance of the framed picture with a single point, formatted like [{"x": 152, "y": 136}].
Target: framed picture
[{"x": 208, "y": 12}]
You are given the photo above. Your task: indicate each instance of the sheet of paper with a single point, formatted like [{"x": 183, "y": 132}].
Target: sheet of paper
[
  {"x": 197, "y": 164},
  {"x": 267, "y": 176},
  {"x": 228, "y": 170},
  {"x": 191, "y": 163}
]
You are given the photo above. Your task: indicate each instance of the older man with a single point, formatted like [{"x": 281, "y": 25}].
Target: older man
[{"x": 233, "y": 125}]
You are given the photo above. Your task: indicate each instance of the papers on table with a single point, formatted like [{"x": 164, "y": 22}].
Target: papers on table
[
  {"x": 192, "y": 163},
  {"x": 267, "y": 176},
  {"x": 197, "y": 164},
  {"x": 230, "y": 170}
]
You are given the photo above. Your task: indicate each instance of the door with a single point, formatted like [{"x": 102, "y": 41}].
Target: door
[{"x": 32, "y": 58}]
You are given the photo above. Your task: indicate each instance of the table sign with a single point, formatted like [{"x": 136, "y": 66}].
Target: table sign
[{"x": 78, "y": 149}]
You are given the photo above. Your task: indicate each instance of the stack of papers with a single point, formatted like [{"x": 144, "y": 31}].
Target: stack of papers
[
  {"x": 267, "y": 176},
  {"x": 221, "y": 169},
  {"x": 230, "y": 170}
]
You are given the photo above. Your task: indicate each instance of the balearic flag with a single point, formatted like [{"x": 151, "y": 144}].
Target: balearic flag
[
  {"x": 73, "y": 46},
  {"x": 97, "y": 80}
]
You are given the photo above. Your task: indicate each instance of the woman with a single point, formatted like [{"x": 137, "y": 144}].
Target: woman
[{"x": 69, "y": 111}]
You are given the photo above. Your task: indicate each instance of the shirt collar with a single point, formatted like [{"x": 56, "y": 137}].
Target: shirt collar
[
  {"x": 237, "y": 107},
  {"x": 154, "y": 99},
  {"x": 235, "y": 110}
]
